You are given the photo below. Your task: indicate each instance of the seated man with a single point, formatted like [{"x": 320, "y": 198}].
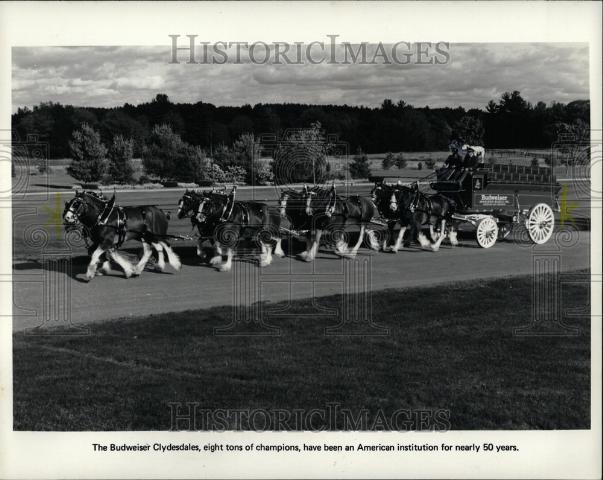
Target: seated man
[
  {"x": 470, "y": 161},
  {"x": 454, "y": 160}
]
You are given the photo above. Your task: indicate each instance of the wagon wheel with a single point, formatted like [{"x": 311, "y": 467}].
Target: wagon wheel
[
  {"x": 486, "y": 232},
  {"x": 540, "y": 223}
]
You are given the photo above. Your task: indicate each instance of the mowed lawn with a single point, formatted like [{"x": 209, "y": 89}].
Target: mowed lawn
[{"x": 449, "y": 347}]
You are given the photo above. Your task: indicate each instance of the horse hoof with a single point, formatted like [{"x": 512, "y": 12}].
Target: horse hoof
[
  {"x": 435, "y": 249},
  {"x": 280, "y": 255},
  {"x": 215, "y": 260},
  {"x": 223, "y": 268}
]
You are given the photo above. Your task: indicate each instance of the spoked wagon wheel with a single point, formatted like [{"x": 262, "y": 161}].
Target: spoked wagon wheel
[
  {"x": 486, "y": 232},
  {"x": 540, "y": 223}
]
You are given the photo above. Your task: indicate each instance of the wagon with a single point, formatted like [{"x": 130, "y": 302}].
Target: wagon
[{"x": 496, "y": 198}]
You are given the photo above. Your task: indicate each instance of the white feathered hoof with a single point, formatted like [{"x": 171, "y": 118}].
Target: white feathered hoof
[
  {"x": 435, "y": 248},
  {"x": 223, "y": 268},
  {"x": 128, "y": 271},
  {"x": 215, "y": 260}
]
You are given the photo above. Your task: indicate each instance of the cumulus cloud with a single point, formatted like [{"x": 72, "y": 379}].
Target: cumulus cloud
[{"x": 476, "y": 73}]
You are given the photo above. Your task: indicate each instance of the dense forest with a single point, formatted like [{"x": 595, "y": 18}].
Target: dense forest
[{"x": 508, "y": 122}]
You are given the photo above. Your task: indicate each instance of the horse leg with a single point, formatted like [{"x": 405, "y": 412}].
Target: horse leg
[
  {"x": 104, "y": 268},
  {"x": 173, "y": 259},
  {"x": 386, "y": 237},
  {"x": 160, "y": 259},
  {"x": 341, "y": 246},
  {"x": 452, "y": 236},
  {"x": 122, "y": 262},
  {"x": 306, "y": 252},
  {"x": 217, "y": 258},
  {"x": 399, "y": 239},
  {"x": 94, "y": 258},
  {"x": 147, "y": 252},
  {"x": 266, "y": 256},
  {"x": 373, "y": 243},
  {"x": 227, "y": 265},
  {"x": 359, "y": 242},
  {"x": 199, "y": 248},
  {"x": 425, "y": 243},
  {"x": 278, "y": 248},
  {"x": 314, "y": 249},
  {"x": 436, "y": 246}
]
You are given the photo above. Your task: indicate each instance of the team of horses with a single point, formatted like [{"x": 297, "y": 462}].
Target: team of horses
[{"x": 221, "y": 221}]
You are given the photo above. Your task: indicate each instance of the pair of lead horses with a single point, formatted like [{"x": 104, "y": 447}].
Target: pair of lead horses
[{"x": 106, "y": 226}]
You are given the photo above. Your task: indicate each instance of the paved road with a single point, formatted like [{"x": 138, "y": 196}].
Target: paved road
[{"x": 55, "y": 296}]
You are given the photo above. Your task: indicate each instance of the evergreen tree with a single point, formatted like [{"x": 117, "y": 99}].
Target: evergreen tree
[
  {"x": 120, "y": 166},
  {"x": 388, "y": 161},
  {"x": 360, "y": 168},
  {"x": 88, "y": 155},
  {"x": 400, "y": 161}
]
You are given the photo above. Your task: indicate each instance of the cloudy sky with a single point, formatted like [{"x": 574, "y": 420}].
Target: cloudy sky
[{"x": 476, "y": 73}]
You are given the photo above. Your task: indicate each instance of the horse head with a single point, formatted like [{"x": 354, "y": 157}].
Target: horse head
[
  {"x": 213, "y": 205},
  {"x": 187, "y": 203},
  {"x": 82, "y": 208}
]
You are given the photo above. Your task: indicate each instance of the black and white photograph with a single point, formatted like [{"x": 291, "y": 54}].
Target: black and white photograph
[{"x": 213, "y": 235}]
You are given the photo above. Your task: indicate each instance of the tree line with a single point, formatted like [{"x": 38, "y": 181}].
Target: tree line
[{"x": 508, "y": 122}]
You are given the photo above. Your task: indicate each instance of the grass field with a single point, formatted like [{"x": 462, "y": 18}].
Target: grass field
[{"x": 449, "y": 347}]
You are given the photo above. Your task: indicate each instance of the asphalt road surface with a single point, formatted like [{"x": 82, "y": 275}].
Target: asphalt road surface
[
  {"x": 48, "y": 293},
  {"x": 54, "y": 296}
]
